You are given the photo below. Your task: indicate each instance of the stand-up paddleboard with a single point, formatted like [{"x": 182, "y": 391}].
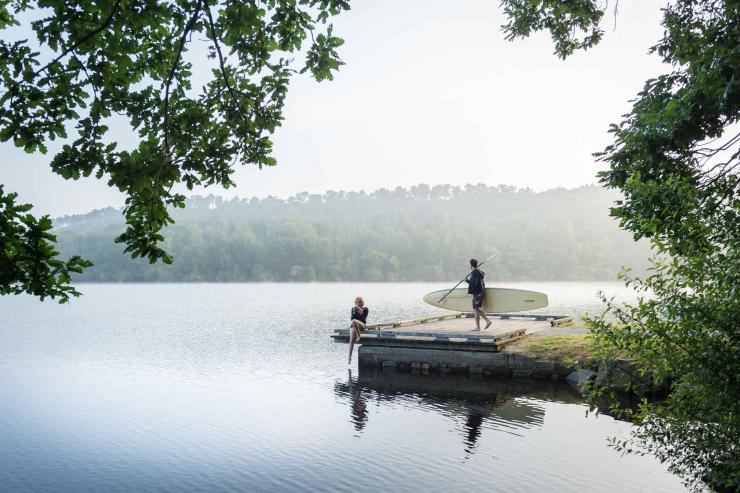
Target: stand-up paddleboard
[{"x": 496, "y": 300}]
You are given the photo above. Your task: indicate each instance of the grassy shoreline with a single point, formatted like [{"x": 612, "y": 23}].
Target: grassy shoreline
[{"x": 572, "y": 350}]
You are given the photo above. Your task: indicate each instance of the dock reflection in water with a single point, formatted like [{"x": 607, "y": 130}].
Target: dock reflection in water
[{"x": 474, "y": 403}]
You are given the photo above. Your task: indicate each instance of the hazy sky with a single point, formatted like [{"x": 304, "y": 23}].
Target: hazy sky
[{"x": 430, "y": 93}]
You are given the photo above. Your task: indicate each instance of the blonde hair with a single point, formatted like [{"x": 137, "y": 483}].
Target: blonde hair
[{"x": 358, "y": 299}]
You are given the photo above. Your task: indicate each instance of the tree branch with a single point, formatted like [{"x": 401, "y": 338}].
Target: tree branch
[
  {"x": 222, "y": 63},
  {"x": 167, "y": 84},
  {"x": 171, "y": 75},
  {"x": 84, "y": 39},
  {"x": 84, "y": 68}
]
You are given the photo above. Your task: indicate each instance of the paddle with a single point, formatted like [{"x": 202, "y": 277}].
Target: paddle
[{"x": 463, "y": 279}]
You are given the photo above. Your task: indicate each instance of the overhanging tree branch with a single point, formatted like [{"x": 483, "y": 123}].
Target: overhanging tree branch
[
  {"x": 237, "y": 95},
  {"x": 168, "y": 81},
  {"x": 84, "y": 39}
]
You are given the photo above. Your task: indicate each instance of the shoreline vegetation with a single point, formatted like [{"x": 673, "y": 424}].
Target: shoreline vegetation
[
  {"x": 417, "y": 234},
  {"x": 572, "y": 350}
]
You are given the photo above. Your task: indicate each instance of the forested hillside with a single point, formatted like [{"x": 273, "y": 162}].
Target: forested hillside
[{"x": 420, "y": 234}]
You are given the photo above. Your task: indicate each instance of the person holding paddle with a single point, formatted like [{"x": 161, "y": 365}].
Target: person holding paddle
[{"x": 477, "y": 287}]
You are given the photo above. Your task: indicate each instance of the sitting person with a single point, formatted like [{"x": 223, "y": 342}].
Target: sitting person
[{"x": 357, "y": 324}]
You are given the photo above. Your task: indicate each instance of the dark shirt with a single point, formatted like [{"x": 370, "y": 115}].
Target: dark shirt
[
  {"x": 358, "y": 314},
  {"x": 475, "y": 281}
]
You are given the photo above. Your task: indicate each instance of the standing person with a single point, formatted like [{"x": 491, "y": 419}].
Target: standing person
[
  {"x": 477, "y": 288},
  {"x": 357, "y": 324}
]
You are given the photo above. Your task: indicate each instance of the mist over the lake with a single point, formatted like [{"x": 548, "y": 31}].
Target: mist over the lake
[{"x": 418, "y": 234}]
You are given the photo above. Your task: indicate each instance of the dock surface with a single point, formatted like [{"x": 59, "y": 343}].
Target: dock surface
[
  {"x": 465, "y": 325},
  {"x": 454, "y": 332}
]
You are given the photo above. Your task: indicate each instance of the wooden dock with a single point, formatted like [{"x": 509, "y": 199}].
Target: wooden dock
[
  {"x": 454, "y": 332},
  {"x": 448, "y": 344}
]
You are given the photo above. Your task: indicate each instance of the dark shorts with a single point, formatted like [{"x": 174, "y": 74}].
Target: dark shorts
[{"x": 477, "y": 300}]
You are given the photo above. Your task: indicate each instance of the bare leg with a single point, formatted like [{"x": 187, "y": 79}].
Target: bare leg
[
  {"x": 477, "y": 320},
  {"x": 488, "y": 322},
  {"x": 352, "y": 336},
  {"x": 355, "y": 332}
]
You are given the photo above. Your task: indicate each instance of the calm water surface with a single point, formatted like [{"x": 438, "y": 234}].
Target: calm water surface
[{"x": 237, "y": 387}]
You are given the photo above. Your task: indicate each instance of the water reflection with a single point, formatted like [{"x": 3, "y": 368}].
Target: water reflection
[
  {"x": 199, "y": 387},
  {"x": 474, "y": 403},
  {"x": 472, "y": 425},
  {"x": 359, "y": 404}
]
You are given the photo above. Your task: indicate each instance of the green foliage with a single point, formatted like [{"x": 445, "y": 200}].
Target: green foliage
[
  {"x": 418, "y": 234},
  {"x": 97, "y": 59},
  {"x": 675, "y": 159},
  {"x": 28, "y": 260},
  {"x": 564, "y": 19}
]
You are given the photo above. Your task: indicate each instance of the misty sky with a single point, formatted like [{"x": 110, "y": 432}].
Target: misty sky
[{"x": 430, "y": 93}]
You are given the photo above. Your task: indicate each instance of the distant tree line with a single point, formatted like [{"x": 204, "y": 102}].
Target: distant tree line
[{"x": 419, "y": 234}]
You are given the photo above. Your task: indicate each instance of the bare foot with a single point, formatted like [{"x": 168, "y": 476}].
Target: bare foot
[
  {"x": 475, "y": 330},
  {"x": 488, "y": 324}
]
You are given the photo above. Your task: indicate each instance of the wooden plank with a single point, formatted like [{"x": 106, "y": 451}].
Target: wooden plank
[
  {"x": 561, "y": 322},
  {"x": 513, "y": 334},
  {"x": 502, "y": 344},
  {"x": 403, "y": 323}
]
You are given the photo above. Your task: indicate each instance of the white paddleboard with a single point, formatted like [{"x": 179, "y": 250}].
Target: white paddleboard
[{"x": 496, "y": 300}]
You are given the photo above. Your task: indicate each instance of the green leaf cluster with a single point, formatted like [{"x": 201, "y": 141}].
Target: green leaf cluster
[
  {"x": 28, "y": 259},
  {"x": 98, "y": 59},
  {"x": 675, "y": 158},
  {"x": 573, "y": 24}
]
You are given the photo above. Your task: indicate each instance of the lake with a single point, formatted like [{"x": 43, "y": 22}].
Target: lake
[{"x": 238, "y": 387}]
